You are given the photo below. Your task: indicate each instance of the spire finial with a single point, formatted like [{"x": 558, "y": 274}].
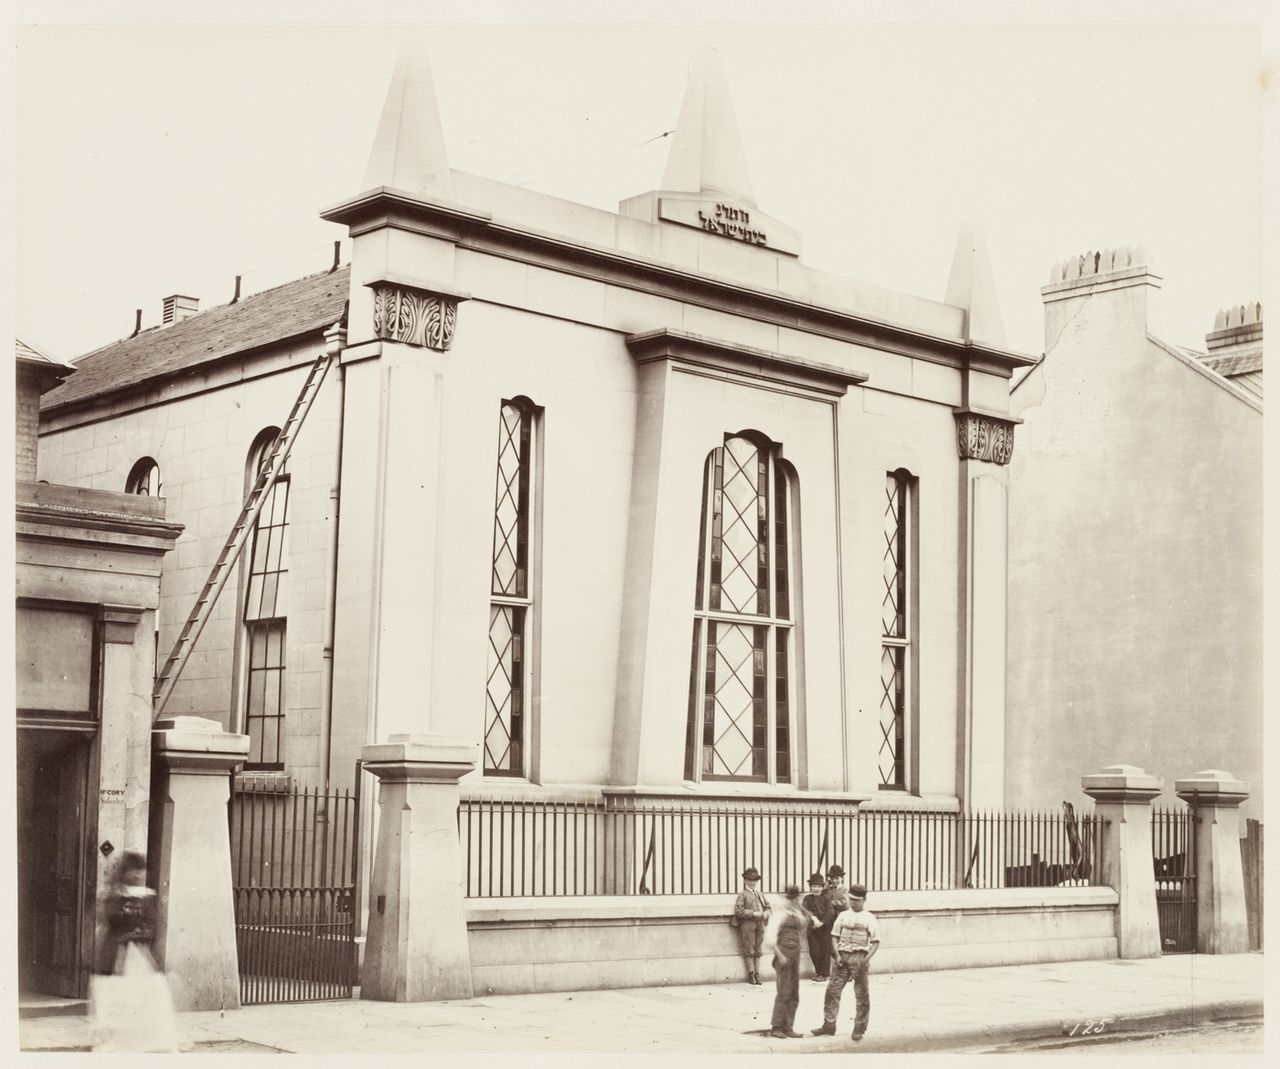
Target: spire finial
[
  {"x": 408, "y": 151},
  {"x": 706, "y": 151},
  {"x": 972, "y": 286}
]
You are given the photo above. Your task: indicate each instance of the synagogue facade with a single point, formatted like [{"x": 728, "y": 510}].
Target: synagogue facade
[{"x": 633, "y": 501}]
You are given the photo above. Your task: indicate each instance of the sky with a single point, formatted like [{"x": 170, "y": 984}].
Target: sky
[{"x": 157, "y": 156}]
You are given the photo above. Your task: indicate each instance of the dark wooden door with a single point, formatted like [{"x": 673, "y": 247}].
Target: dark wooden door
[{"x": 52, "y": 770}]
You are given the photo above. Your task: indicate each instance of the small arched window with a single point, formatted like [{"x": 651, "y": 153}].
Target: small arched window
[{"x": 144, "y": 478}]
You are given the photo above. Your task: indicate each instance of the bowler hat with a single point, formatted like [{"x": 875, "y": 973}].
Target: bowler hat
[
  {"x": 792, "y": 890},
  {"x": 856, "y": 890},
  {"x": 752, "y": 873},
  {"x": 816, "y": 878},
  {"x": 835, "y": 870}
]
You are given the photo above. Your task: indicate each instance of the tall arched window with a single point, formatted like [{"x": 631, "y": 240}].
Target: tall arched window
[
  {"x": 144, "y": 478},
  {"x": 509, "y": 678},
  {"x": 265, "y": 615},
  {"x": 741, "y": 693}
]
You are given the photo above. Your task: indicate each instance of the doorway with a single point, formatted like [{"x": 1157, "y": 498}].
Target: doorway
[{"x": 53, "y": 768}]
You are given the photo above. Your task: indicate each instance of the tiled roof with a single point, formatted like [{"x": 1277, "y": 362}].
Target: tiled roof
[
  {"x": 307, "y": 304},
  {"x": 1250, "y": 382},
  {"x": 1233, "y": 364}
]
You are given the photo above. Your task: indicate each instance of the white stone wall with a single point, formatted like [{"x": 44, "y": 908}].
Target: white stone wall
[
  {"x": 575, "y": 943},
  {"x": 560, "y": 341}
]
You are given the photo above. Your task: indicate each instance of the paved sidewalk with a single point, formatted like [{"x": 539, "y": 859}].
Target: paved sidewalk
[{"x": 910, "y": 1012}]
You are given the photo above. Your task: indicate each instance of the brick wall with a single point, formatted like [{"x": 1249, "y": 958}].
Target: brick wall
[{"x": 27, "y": 426}]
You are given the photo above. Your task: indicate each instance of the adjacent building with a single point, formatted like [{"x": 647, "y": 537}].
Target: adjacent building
[
  {"x": 87, "y": 580},
  {"x": 1135, "y": 578}
]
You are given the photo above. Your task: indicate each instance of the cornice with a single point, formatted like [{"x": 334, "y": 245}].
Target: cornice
[
  {"x": 697, "y": 349},
  {"x": 480, "y": 232}
]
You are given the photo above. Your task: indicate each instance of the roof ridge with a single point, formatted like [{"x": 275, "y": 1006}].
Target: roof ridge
[
  {"x": 301, "y": 306},
  {"x": 244, "y": 299}
]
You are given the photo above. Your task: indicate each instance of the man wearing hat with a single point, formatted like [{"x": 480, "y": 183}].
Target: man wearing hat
[
  {"x": 792, "y": 922},
  {"x": 855, "y": 938},
  {"x": 751, "y": 911},
  {"x": 837, "y": 893},
  {"x": 818, "y": 905}
]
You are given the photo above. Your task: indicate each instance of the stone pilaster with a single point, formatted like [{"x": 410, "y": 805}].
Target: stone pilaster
[
  {"x": 417, "y": 948},
  {"x": 191, "y": 853},
  {"x": 1122, "y": 796},
  {"x": 1222, "y": 921}
]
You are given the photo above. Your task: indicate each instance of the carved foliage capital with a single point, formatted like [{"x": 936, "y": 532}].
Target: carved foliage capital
[
  {"x": 416, "y": 317},
  {"x": 984, "y": 437}
]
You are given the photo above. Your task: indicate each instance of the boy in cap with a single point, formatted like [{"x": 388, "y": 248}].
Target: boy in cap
[
  {"x": 855, "y": 938},
  {"x": 751, "y": 911},
  {"x": 819, "y": 938}
]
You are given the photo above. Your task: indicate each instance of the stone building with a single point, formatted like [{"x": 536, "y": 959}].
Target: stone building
[
  {"x": 87, "y": 582},
  {"x": 1135, "y": 579},
  {"x": 633, "y": 501}
]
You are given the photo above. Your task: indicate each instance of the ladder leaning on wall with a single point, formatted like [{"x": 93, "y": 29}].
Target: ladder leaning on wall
[{"x": 272, "y": 466}]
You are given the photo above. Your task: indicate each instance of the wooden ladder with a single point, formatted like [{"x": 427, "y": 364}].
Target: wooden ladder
[{"x": 272, "y": 466}]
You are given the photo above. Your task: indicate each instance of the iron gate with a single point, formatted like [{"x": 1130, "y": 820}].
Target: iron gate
[
  {"x": 1173, "y": 852},
  {"x": 294, "y": 859}
]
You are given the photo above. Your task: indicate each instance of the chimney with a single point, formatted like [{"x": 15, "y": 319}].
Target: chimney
[
  {"x": 1235, "y": 328},
  {"x": 1119, "y": 288},
  {"x": 179, "y": 307}
]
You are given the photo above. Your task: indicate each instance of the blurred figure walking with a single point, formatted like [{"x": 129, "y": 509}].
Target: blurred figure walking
[
  {"x": 787, "y": 931},
  {"x": 132, "y": 1004}
]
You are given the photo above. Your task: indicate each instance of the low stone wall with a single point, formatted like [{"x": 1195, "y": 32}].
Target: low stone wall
[{"x": 569, "y": 944}]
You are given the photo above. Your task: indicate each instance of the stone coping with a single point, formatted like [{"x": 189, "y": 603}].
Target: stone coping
[{"x": 588, "y": 908}]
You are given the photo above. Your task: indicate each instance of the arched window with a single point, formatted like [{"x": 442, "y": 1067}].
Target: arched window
[
  {"x": 511, "y": 593},
  {"x": 265, "y": 615},
  {"x": 144, "y": 478},
  {"x": 898, "y": 628},
  {"x": 741, "y": 693}
]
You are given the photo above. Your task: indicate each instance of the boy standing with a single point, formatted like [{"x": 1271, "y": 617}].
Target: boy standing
[
  {"x": 855, "y": 938},
  {"x": 819, "y": 938}
]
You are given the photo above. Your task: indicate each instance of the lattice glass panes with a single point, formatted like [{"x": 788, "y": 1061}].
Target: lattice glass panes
[
  {"x": 265, "y": 708},
  {"x": 504, "y": 692},
  {"x": 740, "y": 543},
  {"x": 511, "y": 505},
  {"x": 892, "y": 687},
  {"x": 735, "y": 740},
  {"x": 782, "y": 706},
  {"x": 893, "y": 605}
]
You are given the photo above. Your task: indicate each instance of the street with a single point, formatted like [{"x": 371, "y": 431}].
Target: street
[{"x": 1215, "y": 1037}]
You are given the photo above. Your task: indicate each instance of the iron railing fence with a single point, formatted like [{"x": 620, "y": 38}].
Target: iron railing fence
[
  {"x": 515, "y": 847},
  {"x": 294, "y": 861},
  {"x": 1173, "y": 855}
]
